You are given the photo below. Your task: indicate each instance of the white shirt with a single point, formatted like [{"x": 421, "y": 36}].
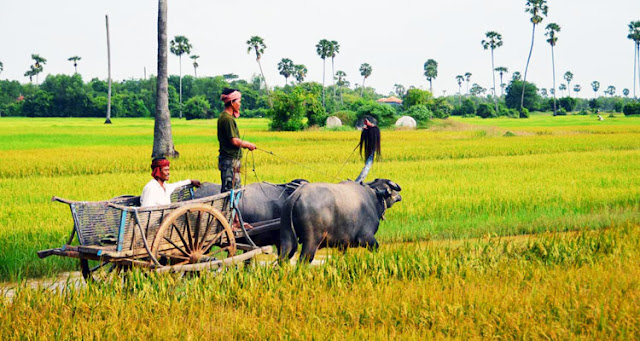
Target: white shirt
[{"x": 154, "y": 195}]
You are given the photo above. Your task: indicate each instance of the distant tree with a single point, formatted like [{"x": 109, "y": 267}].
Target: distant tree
[
  {"x": 595, "y": 85},
  {"x": 501, "y": 70},
  {"x": 467, "y": 76},
  {"x": 1, "y": 67},
  {"x": 577, "y": 88},
  {"x": 333, "y": 51},
  {"x": 552, "y": 91},
  {"x": 257, "y": 44},
  {"x": 399, "y": 90},
  {"x": 431, "y": 72},
  {"x": 537, "y": 9},
  {"x": 568, "y": 76},
  {"x": 38, "y": 65},
  {"x": 195, "y": 65},
  {"x": 513, "y": 95},
  {"x": 300, "y": 72},
  {"x": 365, "y": 72},
  {"x": 562, "y": 88},
  {"x": 516, "y": 76},
  {"x": 323, "y": 49},
  {"x": 611, "y": 90},
  {"x": 286, "y": 68},
  {"x": 634, "y": 34},
  {"x": 493, "y": 41},
  {"x": 179, "y": 46},
  {"x": 459, "y": 79},
  {"x": 232, "y": 76},
  {"x": 552, "y": 31},
  {"x": 543, "y": 92},
  {"x": 477, "y": 90},
  {"x": 625, "y": 92},
  {"x": 340, "y": 75},
  {"x": 30, "y": 73},
  {"x": 162, "y": 136},
  {"x": 75, "y": 60}
]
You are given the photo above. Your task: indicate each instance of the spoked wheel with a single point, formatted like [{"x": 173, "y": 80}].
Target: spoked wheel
[
  {"x": 100, "y": 271},
  {"x": 193, "y": 234}
]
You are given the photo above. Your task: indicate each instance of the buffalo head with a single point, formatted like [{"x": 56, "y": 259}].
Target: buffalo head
[{"x": 386, "y": 190}]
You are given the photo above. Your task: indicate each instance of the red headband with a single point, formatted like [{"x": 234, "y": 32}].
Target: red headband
[
  {"x": 230, "y": 98},
  {"x": 156, "y": 167}
]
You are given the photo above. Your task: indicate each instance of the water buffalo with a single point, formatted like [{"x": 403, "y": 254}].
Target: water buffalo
[
  {"x": 334, "y": 215},
  {"x": 259, "y": 202}
]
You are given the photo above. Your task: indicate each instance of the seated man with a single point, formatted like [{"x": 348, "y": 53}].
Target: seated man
[{"x": 158, "y": 190}]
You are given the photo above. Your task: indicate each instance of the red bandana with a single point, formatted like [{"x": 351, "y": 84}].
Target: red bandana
[{"x": 156, "y": 167}]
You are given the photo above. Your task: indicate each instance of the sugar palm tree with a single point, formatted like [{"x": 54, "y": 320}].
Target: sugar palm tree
[
  {"x": 577, "y": 88},
  {"x": 75, "y": 60},
  {"x": 516, "y": 76},
  {"x": 537, "y": 9},
  {"x": 195, "y": 65},
  {"x": 634, "y": 34},
  {"x": 611, "y": 90},
  {"x": 299, "y": 72},
  {"x": 323, "y": 49},
  {"x": 467, "y": 76},
  {"x": 595, "y": 85},
  {"x": 562, "y": 88},
  {"x": 30, "y": 73},
  {"x": 625, "y": 92},
  {"x": 552, "y": 32},
  {"x": 459, "y": 79},
  {"x": 568, "y": 76},
  {"x": 38, "y": 65},
  {"x": 162, "y": 136},
  {"x": 365, "y": 72},
  {"x": 333, "y": 51},
  {"x": 1, "y": 67},
  {"x": 255, "y": 43},
  {"x": 399, "y": 90},
  {"x": 179, "y": 46},
  {"x": 431, "y": 72},
  {"x": 501, "y": 71},
  {"x": 493, "y": 41},
  {"x": 286, "y": 68},
  {"x": 340, "y": 75}
]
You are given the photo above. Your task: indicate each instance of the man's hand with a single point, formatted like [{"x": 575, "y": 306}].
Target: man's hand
[
  {"x": 249, "y": 145},
  {"x": 195, "y": 183}
]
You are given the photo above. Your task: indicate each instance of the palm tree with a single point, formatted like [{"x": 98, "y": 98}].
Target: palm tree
[
  {"x": 431, "y": 72},
  {"x": 562, "y": 88},
  {"x": 179, "y": 46},
  {"x": 257, "y": 44},
  {"x": 625, "y": 92},
  {"x": 323, "y": 49},
  {"x": 459, "y": 79},
  {"x": 543, "y": 92},
  {"x": 595, "y": 85},
  {"x": 634, "y": 34},
  {"x": 365, "y": 72},
  {"x": 300, "y": 72},
  {"x": 1, "y": 67},
  {"x": 399, "y": 90},
  {"x": 501, "y": 70},
  {"x": 577, "y": 88},
  {"x": 494, "y": 40},
  {"x": 286, "y": 68},
  {"x": 340, "y": 75},
  {"x": 38, "y": 65},
  {"x": 467, "y": 76},
  {"x": 568, "y": 76},
  {"x": 516, "y": 76},
  {"x": 195, "y": 65},
  {"x": 611, "y": 90},
  {"x": 333, "y": 51},
  {"x": 75, "y": 60},
  {"x": 30, "y": 73},
  {"x": 552, "y": 31},
  {"x": 162, "y": 136},
  {"x": 537, "y": 8}
]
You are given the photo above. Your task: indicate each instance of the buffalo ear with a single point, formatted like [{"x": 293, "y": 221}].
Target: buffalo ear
[
  {"x": 394, "y": 186},
  {"x": 383, "y": 193}
]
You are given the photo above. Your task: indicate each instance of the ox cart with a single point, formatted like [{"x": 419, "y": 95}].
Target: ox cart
[{"x": 187, "y": 235}]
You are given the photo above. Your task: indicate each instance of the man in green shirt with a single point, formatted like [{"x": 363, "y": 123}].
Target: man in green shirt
[{"x": 229, "y": 160}]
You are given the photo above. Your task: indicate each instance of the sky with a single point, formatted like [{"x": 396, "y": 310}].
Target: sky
[{"x": 395, "y": 38}]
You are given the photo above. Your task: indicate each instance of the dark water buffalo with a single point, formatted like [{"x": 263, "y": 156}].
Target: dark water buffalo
[
  {"x": 334, "y": 215},
  {"x": 259, "y": 202}
]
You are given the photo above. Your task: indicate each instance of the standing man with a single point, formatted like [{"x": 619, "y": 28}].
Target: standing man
[
  {"x": 158, "y": 191},
  {"x": 229, "y": 160}
]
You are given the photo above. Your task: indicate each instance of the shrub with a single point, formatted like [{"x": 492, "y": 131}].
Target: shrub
[
  {"x": 420, "y": 113},
  {"x": 583, "y": 112},
  {"x": 416, "y": 97},
  {"x": 197, "y": 108},
  {"x": 486, "y": 110},
  {"x": 513, "y": 113},
  {"x": 288, "y": 111},
  {"x": 567, "y": 103},
  {"x": 347, "y": 117},
  {"x": 440, "y": 107},
  {"x": 468, "y": 108},
  {"x": 260, "y": 112},
  {"x": 40, "y": 104},
  {"x": 632, "y": 108},
  {"x": 384, "y": 114},
  {"x": 524, "y": 113},
  {"x": 514, "y": 92},
  {"x": 561, "y": 112}
]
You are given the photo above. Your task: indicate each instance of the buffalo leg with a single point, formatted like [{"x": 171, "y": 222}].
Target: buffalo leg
[{"x": 369, "y": 242}]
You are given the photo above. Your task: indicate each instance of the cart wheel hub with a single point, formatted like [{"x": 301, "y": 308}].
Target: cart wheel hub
[{"x": 194, "y": 257}]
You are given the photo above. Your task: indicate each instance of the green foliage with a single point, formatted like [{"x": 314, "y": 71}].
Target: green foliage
[
  {"x": 486, "y": 110},
  {"x": 383, "y": 113},
  {"x": 561, "y": 112},
  {"x": 251, "y": 113},
  {"x": 314, "y": 111},
  {"x": 197, "y": 108},
  {"x": 594, "y": 104},
  {"x": 416, "y": 97},
  {"x": 39, "y": 104},
  {"x": 420, "y": 113},
  {"x": 567, "y": 103},
  {"x": 468, "y": 108},
  {"x": 514, "y": 93},
  {"x": 524, "y": 113},
  {"x": 288, "y": 111},
  {"x": 631, "y": 109},
  {"x": 440, "y": 107},
  {"x": 347, "y": 117}
]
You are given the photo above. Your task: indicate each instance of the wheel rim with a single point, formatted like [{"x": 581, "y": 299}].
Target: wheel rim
[{"x": 193, "y": 234}]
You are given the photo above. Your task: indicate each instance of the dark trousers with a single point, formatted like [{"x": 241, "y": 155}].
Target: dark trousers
[{"x": 229, "y": 173}]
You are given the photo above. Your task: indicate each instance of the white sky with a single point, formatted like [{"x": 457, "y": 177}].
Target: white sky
[{"x": 396, "y": 38}]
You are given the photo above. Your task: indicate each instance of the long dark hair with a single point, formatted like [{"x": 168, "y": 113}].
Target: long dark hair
[{"x": 370, "y": 142}]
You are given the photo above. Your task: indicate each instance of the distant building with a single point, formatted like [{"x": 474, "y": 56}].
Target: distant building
[{"x": 392, "y": 100}]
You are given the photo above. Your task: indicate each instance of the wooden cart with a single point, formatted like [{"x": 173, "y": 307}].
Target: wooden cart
[{"x": 187, "y": 235}]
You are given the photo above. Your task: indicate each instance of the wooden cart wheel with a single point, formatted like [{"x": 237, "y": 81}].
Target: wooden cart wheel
[
  {"x": 192, "y": 234},
  {"x": 100, "y": 271}
]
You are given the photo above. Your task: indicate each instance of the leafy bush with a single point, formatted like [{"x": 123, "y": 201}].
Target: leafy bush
[
  {"x": 512, "y": 113},
  {"x": 440, "y": 107},
  {"x": 313, "y": 109},
  {"x": 420, "y": 113},
  {"x": 514, "y": 93},
  {"x": 468, "y": 108},
  {"x": 347, "y": 117},
  {"x": 197, "y": 108},
  {"x": 567, "y": 103},
  {"x": 260, "y": 112},
  {"x": 561, "y": 112},
  {"x": 594, "y": 104},
  {"x": 486, "y": 110},
  {"x": 384, "y": 114},
  {"x": 416, "y": 97},
  {"x": 632, "y": 108},
  {"x": 288, "y": 112},
  {"x": 39, "y": 104},
  {"x": 583, "y": 112},
  {"x": 524, "y": 113}
]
